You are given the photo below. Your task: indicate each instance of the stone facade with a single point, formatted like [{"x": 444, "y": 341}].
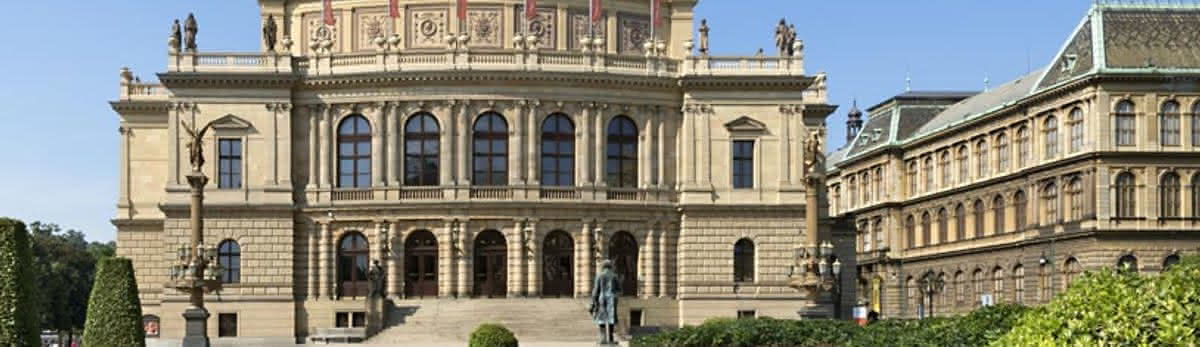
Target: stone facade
[
  {"x": 303, "y": 186},
  {"x": 1010, "y": 193}
]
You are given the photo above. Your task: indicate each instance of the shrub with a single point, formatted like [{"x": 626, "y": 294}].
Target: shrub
[
  {"x": 18, "y": 318},
  {"x": 1107, "y": 308},
  {"x": 492, "y": 335},
  {"x": 114, "y": 313}
]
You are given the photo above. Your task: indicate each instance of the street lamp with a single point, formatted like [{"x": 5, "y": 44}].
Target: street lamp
[
  {"x": 930, "y": 286},
  {"x": 197, "y": 270},
  {"x": 816, "y": 270}
]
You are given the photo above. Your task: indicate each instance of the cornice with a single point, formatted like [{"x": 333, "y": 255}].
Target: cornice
[
  {"x": 129, "y": 107},
  {"x": 739, "y": 83},
  {"x": 401, "y": 78},
  {"x": 173, "y": 80}
]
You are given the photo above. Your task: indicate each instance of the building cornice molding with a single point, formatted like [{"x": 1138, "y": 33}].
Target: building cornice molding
[{"x": 135, "y": 107}]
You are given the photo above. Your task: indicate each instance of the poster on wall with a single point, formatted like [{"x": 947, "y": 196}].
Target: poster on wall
[{"x": 150, "y": 325}]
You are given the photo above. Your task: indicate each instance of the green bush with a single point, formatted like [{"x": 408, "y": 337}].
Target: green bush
[
  {"x": 18, "y": 318},
  {"x": 114, "y": 313},
  {"x": 1106, "y": 308},
  {"x": 492, "y": 335},
  {"x": 975, "y": 329}
]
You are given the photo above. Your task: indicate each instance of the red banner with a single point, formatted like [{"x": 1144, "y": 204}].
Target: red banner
[
  {"x": 329, "y": 18},
  {"x": 394, "y": 8},
  {"x": 656, "y": 13},
  {"x": 530, "y": 9},
  {"x": 462, "y": 9},
  {"x": 597, "y": 10}
]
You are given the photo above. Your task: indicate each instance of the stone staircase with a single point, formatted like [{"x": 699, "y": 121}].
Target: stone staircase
[{"x": 452, "y": 320}]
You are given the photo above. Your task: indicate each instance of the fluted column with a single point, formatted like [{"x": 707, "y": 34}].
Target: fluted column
[
  {"x": 585, "y": 261},
  {"x": 448, "y": 266},
  {"x": 378, "y": 131},
  {"x": 598, "y": 149},
  {"x": 314, "y": 267},
  {"x": 662, "y": 260},
  {"x": 648, "y": 264},
  {"x": 326, "y": 262},
  {"x": 660, "y": 143},
  {"x": 463, "y": 150},
  {"x": 324, "y": 141},
  {"x": 534, "y": 262},
  {"x": 395, "y": 140},
  {"x": 465, "y": 253},
  {"x": 532, "y": 134},
  {"x": 516, "y": 265},
  {"x": 394, "y": 258},
  {"x": 583, "y": 157},
  {"x": 314, "y": 148}
]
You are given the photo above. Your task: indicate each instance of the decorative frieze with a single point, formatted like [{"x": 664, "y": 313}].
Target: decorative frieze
[
  {"x": 484, "y": 27},
  {"x": 427, "y": 27},
  {"x": 632, "y": 32},
  {"x": 370, "y": 23},
  {"x": 544, "y": 26}
]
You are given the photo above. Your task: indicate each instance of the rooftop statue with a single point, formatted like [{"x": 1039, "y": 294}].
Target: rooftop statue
[
  {"x": 703, "y": 37},
  {"x": 176, "y": 38},
  {"x": 791, "y": 40},
  {"x": 269, "y": 30},
  {"x": 190, "y": 29},
  {"x": 782, "y": 36}
]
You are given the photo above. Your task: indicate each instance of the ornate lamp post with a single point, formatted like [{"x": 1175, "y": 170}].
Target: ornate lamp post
[
  {"x": 197, "y": 271},
  {"x": 816, "y": 269},
  {"x": 930, "y": 285}
]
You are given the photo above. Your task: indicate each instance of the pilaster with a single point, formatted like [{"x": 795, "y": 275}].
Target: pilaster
[{"x": 326, "y": 268}]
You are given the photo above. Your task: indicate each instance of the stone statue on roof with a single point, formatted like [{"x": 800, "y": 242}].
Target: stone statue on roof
[
  {"x": 190, "y": 29},
  {"x": 791, "y": 40},
  {"x": 703, "y": 37},
  {"x": 269, "y": 30},
  {"x": 782, "y": 36},
  {"x": 176, "y": 38}
]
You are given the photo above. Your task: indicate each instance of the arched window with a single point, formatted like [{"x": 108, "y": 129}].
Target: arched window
[
  {"x": 1043, "y": 293},
  {"x": 1019, "y": 284},
  {"x": 1125, "y": 199},
  {"x": 622, "y": 153},
  {"x": 878, "y": 186},
  {"x": 623, "y": 250},
  {"x": 864, "y": 229},
  {"x": 1168, "y": 123},
  {"x": 229, "y": 256},
  {"x": 944, "y": 163},
  {"x": 979, "y": 219},
  {"x": 977, "y": 280},
  {"x": 1001, "y": 153},
  {"x": 1169, "y": 261},
  {"x": 354, "y": 153},
  {"x": 998, "y": 215},
  {"x": 981, "y": 158},
  {"x": 960, "y": 288},
  {"x": 1076, "y": 123},
  {"x": 964, "y": 168},
  {"x": 878, "y": 231},
  {"x": 911, "y": 289},
  {"x": 1051, "y": 128},
  {"x": 912, "y": 178},
  {"x": 866, "y": 187},
  {"x": 1023, "y": 146},
  {"x": 1070, "y": 271},
  {"x": 943, "y": 226},
  {"x": 1020, "y": 206},
  {"x": 928, "y": 171},
  {"x": 853, "y": 187},
  {"x": 558, "y": 151},
  {"x": 910, "y": 231},
  {"x": 490, "y": 158},
  {"x": 1168, "y": 195},
  {"x": 1196, "y": 195},
  {"x": 743, "y": 261},
  {"x": 997, "y": 284},
  {"x": 1127, "y": 263},
  {"x": 1075, "y": 198},
  {"x": 960, "y": 222},
  {"x": 926, "y": 230},
  {"x": 1049, "y": 204},
  {"x": 1126, "y": 121},
  {"x": 352, "y": 265},
  {"x": 422, "y": 150}
]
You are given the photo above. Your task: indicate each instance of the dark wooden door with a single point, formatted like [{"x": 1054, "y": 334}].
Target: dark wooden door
[
  {"x": 558, "y": 275},
  {"x": 420, "y": 265},
  {"x": 622, "y": 250},
  {"x": 490, "y": 265},
  {"x": 352, "y": 265}
]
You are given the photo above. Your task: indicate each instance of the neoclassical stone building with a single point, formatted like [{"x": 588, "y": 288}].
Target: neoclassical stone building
[
  {"x": 1006, "y": 195},
  {"x": 489, "y": 157}
]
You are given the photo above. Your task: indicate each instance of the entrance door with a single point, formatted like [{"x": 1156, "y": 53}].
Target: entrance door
[
  {"x": 420, "y": 264},
  {"x": 622, "y": 249},
  {"x": 558, "y": 276},
  {"x": 490, "y": 271}
]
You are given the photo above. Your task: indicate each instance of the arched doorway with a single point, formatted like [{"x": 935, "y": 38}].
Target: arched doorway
[
  {"x": 352, "y": 265},
  {"x": 490, "y": 270},
  {"x": 558, "y": 277},
  {"x": 420, "y": 264},
  {"x": 623, "y": 250}
]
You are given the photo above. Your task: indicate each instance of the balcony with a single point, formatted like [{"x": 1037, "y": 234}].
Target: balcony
[{"x": 442, "y": 194}]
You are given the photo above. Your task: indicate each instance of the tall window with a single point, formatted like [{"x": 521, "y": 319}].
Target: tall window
[
  {"x": 352, "y": 265},
  {"x": 1020, "y": 206},
  {"x": 421, "y": 150},
  {"x": 910, "y": 230},
  {"x": 998, "y": 214},
  {"x": 1070, "y": 270},
  {"x": 1051, "y": 136},
  {"x": 229, "y": 256},
  {"x": 1075, "y": 197},
  {"x": 997, "y": 284},
  {"x": 960, "y": 222},
  {"x": 1196, "y": 195},
  {"x": 1076, "y": 124},
  {"x": 1002, "y": 153},
  {"x": 1126, "y": 201},
  {"x": 1043, "y": 291},
  {"x": 878, "y": 232},
  {"x": 979, "y": 219},
  {"x": 866, "y": 187},
  {"x": 960, "y": 286},
  {"x": 558, "y": 151},
  {"x": 229, "y": 164},
  {"x": 490, "y": 153},
  {"x": 622, "y": 153},
  {"x": 1019, "y": 284},
  {"x": 864, "y": 229},
  {"x": 1168, "y": 123},
  {"x": 878, "y": 186},
  {"x": 928, "y": 171},
  {"x": 981, "y": 158},
  {"x": 852, "y": 186},
  {"x": 964, "y": 169},
  {"x": 943, "y": 226},
  {"x": 1023, "y": 146},
  {"x": 227, "y": 325},
  {"x": 912, "y": 178},
  {"x": 743, "y": 261},
  {"x": 743, "y": 166},
  {"x": 926, "y": 230},
  {"x": 977, "y": 279},
  {"x": 354, "y": 153},
  {"x": 1196, "y": 125},
  {"x": 1126, "y": 127},
  {"x": 944, "y": 163},
  {"x": 1049, "y": 204},
  {"x": 1169, "y": 195}
]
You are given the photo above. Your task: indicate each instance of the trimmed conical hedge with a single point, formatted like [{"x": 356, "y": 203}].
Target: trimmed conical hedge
[
  {"x": 114, "y": 313},
  {"x": 18, "y": 316}
]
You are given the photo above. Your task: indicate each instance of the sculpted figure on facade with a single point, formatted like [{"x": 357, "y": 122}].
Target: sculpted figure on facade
[
  {"x": 190, "y": 29},
  {"x": 814, "y": 157},
  {"x": 782, "y": 35},
  {"x": 605, "y": 292},
  {"x": 176, "y": 38},
  {"x": 269, "y": 30},
  {"x": 195, "y": 145},
  {"x": 375, "y": 278},
  {"x": 703, "y": 37},
  {"x": 791, "y": 40}
]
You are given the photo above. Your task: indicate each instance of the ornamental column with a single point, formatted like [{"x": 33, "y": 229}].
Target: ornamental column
[
  {"x": 378, "y": 131},
  {"x": 395, "y": 130},
  {"x": 393, "y": 258},
  {"x": 583, "y": 158},
  {"x": 598, "y": 162},
  {"x": 648, "y": 264},
  {"x": 463, "y": 152},
  {"x": 534, "y": 262},
  {"x": 447, "y": 253},
  {"x": 323, "y": 138},
  {"x": 585, "y": 262},
  {"x": 314, "y": 160},
  {"x": 314, "y": 268},
  {"x": 662, "y": 259},
  {"x": 643, "y": 152},
  {"x": 532, "y": 134},
  {"x": 326, "y": 262},
  {"x": 660, "y": 143},
  {"x": 463, "y": 254},
  {"x": 516, "y": 264}
]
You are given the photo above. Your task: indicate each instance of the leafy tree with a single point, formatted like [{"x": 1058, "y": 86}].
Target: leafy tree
[
  {"x": 18, "y": 325},
  {"x": 114, "y": 312},
  {"x": 65, "y": 266}
]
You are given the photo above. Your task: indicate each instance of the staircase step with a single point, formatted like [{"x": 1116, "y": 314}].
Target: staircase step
[{"x": 431, "y": 320}]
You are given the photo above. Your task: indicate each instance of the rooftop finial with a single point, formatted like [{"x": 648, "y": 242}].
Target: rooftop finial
[
  {"x": 907, "y": 81},
  {"x": 986, "y": 82}
]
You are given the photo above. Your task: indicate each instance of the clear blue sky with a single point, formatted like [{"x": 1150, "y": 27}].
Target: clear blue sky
[{"x": 59, "y": 142}]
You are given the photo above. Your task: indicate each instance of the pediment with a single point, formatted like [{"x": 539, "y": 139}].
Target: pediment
[
  {"x": 230, "y": 122},
  {"x": 745, "y": 124}
]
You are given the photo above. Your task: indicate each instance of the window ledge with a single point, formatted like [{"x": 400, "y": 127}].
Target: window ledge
[{"x": 1128, "y": 218}]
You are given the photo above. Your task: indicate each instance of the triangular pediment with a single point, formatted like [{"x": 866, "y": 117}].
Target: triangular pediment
[
  {"x": 746, "y": 124},
  {"x": 230, "y": 122}
]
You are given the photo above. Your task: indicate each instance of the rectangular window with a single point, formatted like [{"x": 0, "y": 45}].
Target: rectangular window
[
  {"x": 635, "y": 318},
  {"x": 1170, "y": 129},
  {"x": 746, "y": 314},
  {"x": 229, "y": 164},
  {"x": 227, "y": 324},
  {"x": 1125, "y": 129},
  {"x": 350, "y": 320},
  {"x": 912, "y": 178},
  {"x": 743, "y": 164},
  {"x": 964, "y": 168},
  {"x": 1196, "y": 129}
]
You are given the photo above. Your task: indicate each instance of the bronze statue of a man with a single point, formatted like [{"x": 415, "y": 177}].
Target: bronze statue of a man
[
  {"x": 375, "y": 278},
  {"x": 605, "y": 292},
  {"x": 190, "y": 29},
  {"x": 269, "y": 30}
]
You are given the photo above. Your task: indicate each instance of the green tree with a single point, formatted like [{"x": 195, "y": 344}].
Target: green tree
[
  {"x": 18, "y": 318},
  {"x": 65, "y": 266},
  {"x": 114, "y": 312}
]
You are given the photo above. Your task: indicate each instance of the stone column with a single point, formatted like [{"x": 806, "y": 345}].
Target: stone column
[
  {"x": 585, "y": 262},
  {"x": 660, "y": 146},
  {"x": 314, "y": 161},
  {"x": 314, "y": 267},
  {"x": 327, "y": 266},
  {"x": 447, "y": 265},
  {"x": 394, "y": 260},
  {"x": 463, "y": 150},
  {"x": 785, "y": 148},
  {"x": 395, "y": 139},
  {"x": 598, "y": 162},
  {"x": 323, "y": 138},
  {"x": 662, "y": 260},
  {"x": 648, "y": 264},
  {"x": 516, "y": 260},
  {"x": 378, "y": 131},
  {"x": 534, "y": 262},
  {"x": 643, "y": 152},
  {"x": 516, "y": 143},
  {"x": 583, "y": 157},
  {"x": 532, "y": 135},
  {"x": 687, "y": 163},
  {"x": 705, "y": 118},
  {"x": 464, "y": 278}
]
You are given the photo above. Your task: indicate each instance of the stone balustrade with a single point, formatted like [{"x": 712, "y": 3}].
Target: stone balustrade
[{"x": 444, "y": 194}]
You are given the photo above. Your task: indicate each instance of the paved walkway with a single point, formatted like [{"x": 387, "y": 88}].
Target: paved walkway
[{"x": 464, "y": 344}]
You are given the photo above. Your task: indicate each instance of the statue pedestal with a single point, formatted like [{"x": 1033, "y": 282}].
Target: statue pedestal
[
  {"x": 195, "y": 327},
  {"x": 821, "y": 307}
]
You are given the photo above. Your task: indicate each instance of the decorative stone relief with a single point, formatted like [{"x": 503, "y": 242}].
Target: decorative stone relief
[
  {"x": 632, "y": 32},
  {"x": 369, "y": 24},
  {"x": 316, "y": 30},
  {"x": 427, "y": 28},
  {"x": 484, "y": 27},
  {"x": 543, "y": 26},
  {"x": 580, "y": 28}
]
